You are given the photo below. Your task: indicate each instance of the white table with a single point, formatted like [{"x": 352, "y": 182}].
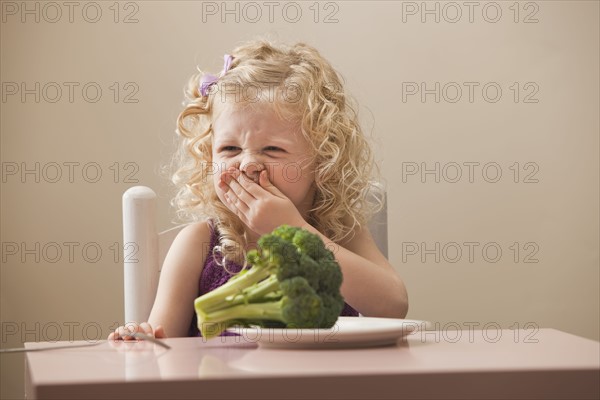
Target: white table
[{"x": 461, "y": 364}]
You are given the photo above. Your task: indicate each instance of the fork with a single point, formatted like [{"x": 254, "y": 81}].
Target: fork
[{"x": 137, "y": 335}]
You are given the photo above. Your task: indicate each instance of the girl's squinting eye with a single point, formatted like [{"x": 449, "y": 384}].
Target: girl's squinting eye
[
  {"x": 273, "y": 148},
  {"x": 229, "y": 148}
]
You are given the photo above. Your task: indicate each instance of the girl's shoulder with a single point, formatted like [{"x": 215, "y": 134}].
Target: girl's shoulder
[
  {"x": 197, "y": 232},
  {"x": 197, "y": 235},
  {"x": 199, "y": 227}
]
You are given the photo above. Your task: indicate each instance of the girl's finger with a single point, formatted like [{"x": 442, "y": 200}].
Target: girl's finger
[
  {"x": 225, "y": 179},
  {"x": 266, "y": 184},
  {"x": 159, "y": 333},
  {"x": 241, "y": 192},
  {"x": 251, "y": 186},
  {"x": 222, "y": 186},
  {"x": 239, "y": 206},
  {"x": 231, "y": 204},
  {"x": 147, "y": 328},
  {"x": 124, "y": 331}
]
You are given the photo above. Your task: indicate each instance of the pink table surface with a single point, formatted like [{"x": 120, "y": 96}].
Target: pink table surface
[{"x": 460, "y": 364}]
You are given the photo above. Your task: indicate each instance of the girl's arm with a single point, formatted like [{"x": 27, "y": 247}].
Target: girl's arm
[
  {"x": 179, "y": 279},
  {"x": 178, "y": 285},
  {"x": 370, "y": 283}
]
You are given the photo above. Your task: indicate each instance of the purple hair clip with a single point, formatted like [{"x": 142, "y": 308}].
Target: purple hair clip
[{"x": 207, "y": 80}]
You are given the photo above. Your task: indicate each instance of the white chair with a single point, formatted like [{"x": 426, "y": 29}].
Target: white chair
[{"x": 145, "y": 249}]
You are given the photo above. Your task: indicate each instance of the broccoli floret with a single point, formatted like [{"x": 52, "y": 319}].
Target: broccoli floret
[
  {"x": 311, "y": 245},
  {"x": 294, "y": 282},
  {"x": 333, "y": 304}
]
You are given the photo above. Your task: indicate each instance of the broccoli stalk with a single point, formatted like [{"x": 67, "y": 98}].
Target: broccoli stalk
[{"x": 294, "y": 282}]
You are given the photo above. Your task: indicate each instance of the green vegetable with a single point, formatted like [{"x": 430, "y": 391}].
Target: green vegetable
[{"x": 294, "y": 282}]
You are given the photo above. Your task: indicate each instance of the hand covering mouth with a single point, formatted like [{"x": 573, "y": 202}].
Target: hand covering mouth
[{"x": 254, "y": 178}]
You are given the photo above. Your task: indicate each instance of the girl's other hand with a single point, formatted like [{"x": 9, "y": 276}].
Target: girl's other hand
[{"x": 124, "y": 332}]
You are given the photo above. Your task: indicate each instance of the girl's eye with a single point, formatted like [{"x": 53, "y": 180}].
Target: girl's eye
[
  {"x": 273, "y": 148},
  {"x": 229, "y": 148}
]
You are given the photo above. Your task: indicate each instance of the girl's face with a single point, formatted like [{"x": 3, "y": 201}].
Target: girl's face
[{"x": 253, "y": 139}]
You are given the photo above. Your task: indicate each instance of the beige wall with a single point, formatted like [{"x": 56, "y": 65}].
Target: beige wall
[{"x": 385, "y": 52}]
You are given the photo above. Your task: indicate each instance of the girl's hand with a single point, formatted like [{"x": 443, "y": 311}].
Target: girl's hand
[
  {"x": 261, "y": 206},
  {"x": 124, "y": 332}
]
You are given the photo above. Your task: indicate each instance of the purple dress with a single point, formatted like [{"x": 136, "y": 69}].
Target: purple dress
[{"x": 214, "y": 275}]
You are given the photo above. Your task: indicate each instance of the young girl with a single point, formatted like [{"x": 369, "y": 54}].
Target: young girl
[{"x": 273, "y": 140}]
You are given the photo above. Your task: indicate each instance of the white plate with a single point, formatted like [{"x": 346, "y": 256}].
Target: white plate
[{"x": 347, "y": 332}]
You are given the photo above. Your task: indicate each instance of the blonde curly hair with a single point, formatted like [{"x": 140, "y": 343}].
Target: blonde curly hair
[{"x": 304, "y": 88}]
